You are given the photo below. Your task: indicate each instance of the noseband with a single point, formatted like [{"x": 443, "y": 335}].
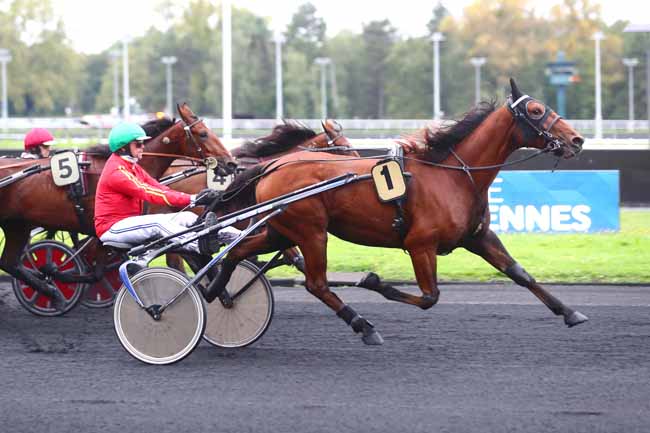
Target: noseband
[{"x": 519, "y": 110}]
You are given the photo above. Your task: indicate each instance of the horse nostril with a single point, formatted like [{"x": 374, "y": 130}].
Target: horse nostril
[{"x": 578, "y": 141}]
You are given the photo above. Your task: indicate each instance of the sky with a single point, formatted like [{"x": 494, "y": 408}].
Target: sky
[{"x": 94, "y": 25}]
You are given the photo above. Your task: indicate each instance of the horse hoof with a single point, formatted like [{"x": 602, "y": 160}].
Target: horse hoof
[
  {"x": 428, "y": 301},
  {"x": 370, "y": 281},
  {"x": 373, "y": 338},
  {"x": 575, "y": 318}
]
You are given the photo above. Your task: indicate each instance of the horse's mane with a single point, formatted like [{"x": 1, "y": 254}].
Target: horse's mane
[
  {"x": 155, "y": 127},
  {"x": 241, "y": 191},
  {"x": 152, "y": 128},
  {"x": 440, "y": 141},
  {"x": 283, "y": 137}
]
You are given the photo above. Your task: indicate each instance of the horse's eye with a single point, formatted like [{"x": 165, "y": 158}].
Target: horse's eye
[
  {"x": 536, "y": 113},
  {"x": 203, "y": 134}
]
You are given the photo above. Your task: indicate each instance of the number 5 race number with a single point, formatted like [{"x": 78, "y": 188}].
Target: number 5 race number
[{"x": 65, "y": 169}]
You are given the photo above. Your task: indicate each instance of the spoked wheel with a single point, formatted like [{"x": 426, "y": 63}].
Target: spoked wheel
[
  {"x": 250, "y": 315},
  {"x": 51, "y": 253},
  {"x": 102, "y": 293},
  {"x": 180, "y": 327}
]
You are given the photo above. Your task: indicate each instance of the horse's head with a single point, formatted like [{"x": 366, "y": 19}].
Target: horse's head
[
  {"x": 541, "y": 127},
  {"x": 332, "y": 136},
  {"x": 203, "y": 142}
]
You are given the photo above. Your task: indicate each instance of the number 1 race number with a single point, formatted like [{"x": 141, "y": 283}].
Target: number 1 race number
[{"x": 389, "y": 180}]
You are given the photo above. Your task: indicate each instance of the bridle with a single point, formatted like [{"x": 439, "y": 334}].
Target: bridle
[
  {"x": 188, "y": 133},
  {"x": 189, "y": 136},
  {"x": 538, "y": 124}
]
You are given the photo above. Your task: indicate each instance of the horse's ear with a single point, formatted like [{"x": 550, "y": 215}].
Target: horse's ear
[
  {"x": 324, "y": 125},
  {"x": 178, "y": 108},
  {"x": 516, "y": 93}
]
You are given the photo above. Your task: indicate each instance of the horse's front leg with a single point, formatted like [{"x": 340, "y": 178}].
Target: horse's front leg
[{"x": 488, "y": 246}]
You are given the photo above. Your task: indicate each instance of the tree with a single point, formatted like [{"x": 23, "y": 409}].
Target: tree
[{"x": 378, "y": 37}]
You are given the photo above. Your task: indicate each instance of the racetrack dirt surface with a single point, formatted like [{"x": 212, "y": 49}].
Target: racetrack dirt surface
[{"x": 487, "y": 358}]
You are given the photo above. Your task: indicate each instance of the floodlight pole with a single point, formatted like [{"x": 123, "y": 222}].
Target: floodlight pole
[
  {"x": 630, "y": 63},
  {"x": 477, "y": 62},
  {"x": 5, "y": 57},
  {"x": 644, "y": 28},
  {"x": 437, "y": 37},
  {"x": 125, "y": 77},
  {"x": 279, "y": 103},
  {"x": 115, "y": 55},
  {"x": 169, "y": 61},
  {"x": 598, "y": 118},
  {"x": 323, "y": 62},
  {"x": 226, "y": 66}
]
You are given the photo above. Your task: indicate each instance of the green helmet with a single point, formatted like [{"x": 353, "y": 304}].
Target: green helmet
[{"x": 124, "y": 133}]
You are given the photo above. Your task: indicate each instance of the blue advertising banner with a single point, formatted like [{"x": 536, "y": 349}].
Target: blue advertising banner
[{"x": 558, "y": 202}]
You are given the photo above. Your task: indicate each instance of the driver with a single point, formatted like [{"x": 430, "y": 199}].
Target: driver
[
  {"x": 124, "y": 185},
  {"x": 37, "y": 144}
]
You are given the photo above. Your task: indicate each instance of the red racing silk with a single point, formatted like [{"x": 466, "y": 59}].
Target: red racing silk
[{"x": 123, "y": 187}]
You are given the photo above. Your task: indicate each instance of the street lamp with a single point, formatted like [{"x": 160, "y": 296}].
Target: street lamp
[
  {"x": 5, "y": 57},
  {"x": 169, "y": 61},
  {"x": 115, "y": 55},
  {"x": 630, "y": 63},
  {"x": 125, "y": 77},
  {"x": 279, "y": 40},
  {"x": 598, "y": 118},
  {"x": 226, "y": 66},
  {"x": 437, "y": 37},
  {"x": 477, "y": 62},
  {"x": 644, "y": 28},
  {"x": 323, "y": 62}
]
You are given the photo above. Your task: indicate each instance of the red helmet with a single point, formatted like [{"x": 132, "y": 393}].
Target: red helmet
[{"x": 36, "y": 137}]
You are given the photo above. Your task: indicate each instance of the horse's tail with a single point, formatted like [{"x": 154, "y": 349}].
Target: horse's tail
[{"x": 241, "y": 192}]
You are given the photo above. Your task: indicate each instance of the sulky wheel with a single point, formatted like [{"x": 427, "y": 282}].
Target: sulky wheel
[
  {"x": 101, "y": 294},
  {"x": 249, "y": 317},
  {"x": 178, "y": 330},
  {"x": 49, "y": 255}
]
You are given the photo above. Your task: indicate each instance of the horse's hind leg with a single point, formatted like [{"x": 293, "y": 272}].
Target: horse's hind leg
[
  {"x": 492, "y": 250},
  {"x": 16, "y": 237},
  {"x": 424, "y": 265},
  {"x": 315, "y": 253}
]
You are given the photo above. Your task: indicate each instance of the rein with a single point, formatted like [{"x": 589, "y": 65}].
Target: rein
[
  {"x": 172, "y": 155},
  {"x": 20, "y": 164}
]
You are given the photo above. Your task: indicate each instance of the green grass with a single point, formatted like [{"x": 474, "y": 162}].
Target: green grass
[{"x": 602, "y": 257}]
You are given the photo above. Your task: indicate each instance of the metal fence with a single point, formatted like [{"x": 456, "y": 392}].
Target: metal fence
[{"x": 95, "y": 128}]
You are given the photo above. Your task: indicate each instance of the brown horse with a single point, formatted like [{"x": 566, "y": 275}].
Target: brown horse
[
  {"x": 446, "y": 206},
  {"x": 286, "y": 138},
  {"x": 37, "y": 201}
]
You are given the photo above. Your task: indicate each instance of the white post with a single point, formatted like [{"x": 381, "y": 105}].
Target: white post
[
  {"x": 279, "y": 103},
  {"x": 437, "y": 37},
  {"x": 477, "y": 62},
  {"x": 115, "y": 55},
  {"x": 125, "y": 77},
  {"x": 598, "y": 118},
  {"x": 630, "y": 63},
  {"x": 5, "y": 57},
  {"x": 169, "y": 61},
  {"x": 323, "y": 62},
  {"x": 226, "y": 67}
]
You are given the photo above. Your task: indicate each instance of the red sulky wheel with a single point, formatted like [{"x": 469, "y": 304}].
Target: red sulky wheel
[
  {"x": 60, "y": 255},
  {"x": 102, "y": 293}
]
